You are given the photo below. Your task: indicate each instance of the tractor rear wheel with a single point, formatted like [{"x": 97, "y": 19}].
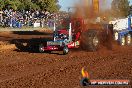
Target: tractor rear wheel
[{"x": 90, "y": 40}]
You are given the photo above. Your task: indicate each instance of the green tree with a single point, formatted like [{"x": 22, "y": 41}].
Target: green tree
[
  {"x": 9, "y": 4},
  {"x": 130, "y": 12},
  {"x": 15, "y": 4},
  {"x": 120, "y": 8},
  {"x": 50, "y": 5},
  {"x": 1, "y": 4}
]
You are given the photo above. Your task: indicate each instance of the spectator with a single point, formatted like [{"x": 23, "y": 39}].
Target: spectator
[{"x": 11, "y": 17}]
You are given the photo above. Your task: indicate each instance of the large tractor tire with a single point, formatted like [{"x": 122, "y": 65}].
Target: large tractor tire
[{"x": 90, "y": 40}]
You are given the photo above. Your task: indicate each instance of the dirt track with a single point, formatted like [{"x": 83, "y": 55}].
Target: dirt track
[{"x": 35, "y": 70}]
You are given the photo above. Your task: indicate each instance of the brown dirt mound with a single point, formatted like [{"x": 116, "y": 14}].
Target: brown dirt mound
[{"x": 6, "y": 45}]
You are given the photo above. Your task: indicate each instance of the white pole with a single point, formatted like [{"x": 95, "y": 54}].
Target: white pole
[
  {"x": 54, "y": 31},
  {"x": 70, "y": 33}
]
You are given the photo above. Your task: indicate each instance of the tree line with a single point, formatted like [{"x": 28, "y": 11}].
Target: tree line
[
  {"x": 121, "y": 8},
  {"x": 50, "y": 5}
]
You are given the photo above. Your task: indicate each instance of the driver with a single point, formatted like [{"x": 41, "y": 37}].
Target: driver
[{"x": 63, "y": 36}]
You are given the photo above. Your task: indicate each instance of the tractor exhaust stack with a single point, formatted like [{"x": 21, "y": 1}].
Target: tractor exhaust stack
[
  {"x": 54, "y": 31},
  {"x": 70, "y": 34}
]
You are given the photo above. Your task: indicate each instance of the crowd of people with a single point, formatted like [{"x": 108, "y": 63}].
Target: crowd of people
[{"x": 18, "y": 19}]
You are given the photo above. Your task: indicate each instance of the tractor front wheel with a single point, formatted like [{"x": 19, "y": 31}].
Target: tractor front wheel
[
  {"x": 65, "y": 50},
  {"x": 22, "y": 46}
]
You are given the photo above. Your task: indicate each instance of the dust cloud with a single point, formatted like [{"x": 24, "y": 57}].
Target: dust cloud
[{"x": 92, "y": 10}]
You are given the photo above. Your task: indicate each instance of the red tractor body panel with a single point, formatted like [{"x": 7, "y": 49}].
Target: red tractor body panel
[
  {"x": 77, "y": 25},
  {"x": 74, "y": 44},
  {"x": 62, "y": 31},
  {"x": 51, "y": 48}
]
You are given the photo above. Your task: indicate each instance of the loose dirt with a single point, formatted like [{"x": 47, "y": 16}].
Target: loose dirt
[{"x": 20, "y": 69}]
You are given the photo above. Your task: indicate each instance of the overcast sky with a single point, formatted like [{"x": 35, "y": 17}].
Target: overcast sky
[{"x": 70, "y": 3}]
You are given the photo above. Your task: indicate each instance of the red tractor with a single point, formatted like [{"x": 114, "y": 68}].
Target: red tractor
[
  {"x": 76, "y": 36},
  {"x": 62, "y": 41}
]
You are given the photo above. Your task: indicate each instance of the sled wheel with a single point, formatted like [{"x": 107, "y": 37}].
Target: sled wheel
[
  {"x": 41, "y": 48},
  {"x": 21, "y": 46}
]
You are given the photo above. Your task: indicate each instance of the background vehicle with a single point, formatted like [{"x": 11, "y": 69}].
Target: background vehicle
[{"x": 123, "y": 30}]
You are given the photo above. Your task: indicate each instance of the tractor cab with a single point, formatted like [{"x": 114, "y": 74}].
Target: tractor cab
[
  {"x": 61, "y": 34},
  {"x": 77, "y": 24},
  {"x": 77, "y": 27}
]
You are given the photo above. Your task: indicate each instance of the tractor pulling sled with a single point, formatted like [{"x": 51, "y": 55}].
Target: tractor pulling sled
[
  {"x": 80, "y": 33},
  {"x": 77, "y": 35}
]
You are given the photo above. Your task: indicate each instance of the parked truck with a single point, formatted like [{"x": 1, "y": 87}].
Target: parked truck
[{"x": 123, "y": 30}]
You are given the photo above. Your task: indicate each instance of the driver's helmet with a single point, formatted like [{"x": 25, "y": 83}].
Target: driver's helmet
[{"x": 62, "y": 36}]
